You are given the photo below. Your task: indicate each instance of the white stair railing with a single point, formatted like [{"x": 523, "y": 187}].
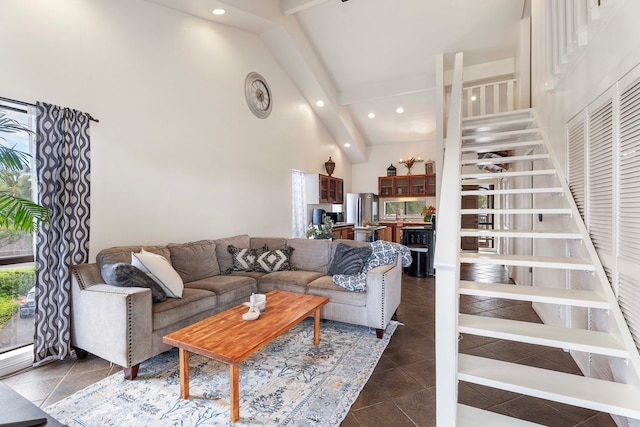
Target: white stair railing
[
  {"x": 489, "y": 98},
  {"x": 446, "y": 261}
]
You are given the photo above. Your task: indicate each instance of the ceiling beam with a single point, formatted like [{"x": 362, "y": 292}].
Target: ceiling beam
[{"x": 289, "y": 7}]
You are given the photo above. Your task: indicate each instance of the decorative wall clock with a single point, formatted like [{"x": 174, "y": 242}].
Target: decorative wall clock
[{"x": 258, "y": 95}]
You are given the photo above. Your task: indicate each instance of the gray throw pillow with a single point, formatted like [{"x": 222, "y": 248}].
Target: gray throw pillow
[
  {"x": 349, "y": 259},
  {"x": 126, "y": 275}
]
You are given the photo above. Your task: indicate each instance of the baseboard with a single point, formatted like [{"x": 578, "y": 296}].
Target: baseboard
[{"x": 15, "y": 360}]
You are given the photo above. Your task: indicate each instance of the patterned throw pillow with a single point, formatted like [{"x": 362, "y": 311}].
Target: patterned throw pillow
[
  {"x": 383, "y": 253},
  {"x": 349, "y": 259},
  {"x": 278, "y": 260},
  {"x": 126, "y": 275},
  {"x": 244, "y": 259}
]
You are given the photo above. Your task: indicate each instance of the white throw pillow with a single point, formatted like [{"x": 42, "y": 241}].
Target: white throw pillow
[{"x": 160, "y": 270}]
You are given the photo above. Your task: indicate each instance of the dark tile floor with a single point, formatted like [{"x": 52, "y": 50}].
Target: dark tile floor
[{"x": 401, "y": 391}]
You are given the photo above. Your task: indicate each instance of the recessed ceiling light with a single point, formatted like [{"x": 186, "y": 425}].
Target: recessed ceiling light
[
  {"x": 219, "y": 11},
  {"x": 320, "y": 103},
  {"x": 371, "y": 115},
  {"x": 347, "y": 145},
  {"x": 473, "y": 98},
  {"x": 399, "y": 110}
]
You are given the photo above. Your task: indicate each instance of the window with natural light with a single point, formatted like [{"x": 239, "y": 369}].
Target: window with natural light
[{"x": 17, "y": 275}]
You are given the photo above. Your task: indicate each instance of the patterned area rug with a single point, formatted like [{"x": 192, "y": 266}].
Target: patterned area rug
[{"x": 290, "y": 382}]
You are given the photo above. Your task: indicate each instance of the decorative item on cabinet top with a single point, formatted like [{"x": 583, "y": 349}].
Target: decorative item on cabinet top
[
  {"x": 409, "y": 163},
  {"x": 430, "y": 167},
  {"x": 391, "y": 170},
  {"x": 330, "y": 166}
]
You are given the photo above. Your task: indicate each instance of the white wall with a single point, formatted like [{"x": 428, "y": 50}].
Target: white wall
[
  {"x": 177, "y": 154},
  {"x": 365, "y": 175},
  {"x": 613, "y": 50}
]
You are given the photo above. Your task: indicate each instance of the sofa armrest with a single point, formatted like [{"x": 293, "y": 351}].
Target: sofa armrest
[
  {"x": 383, "y": 293},
  {"x": 110, "y": 322}
]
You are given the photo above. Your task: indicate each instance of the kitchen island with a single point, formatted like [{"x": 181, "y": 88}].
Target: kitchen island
[{"x": 393, "y": 232}]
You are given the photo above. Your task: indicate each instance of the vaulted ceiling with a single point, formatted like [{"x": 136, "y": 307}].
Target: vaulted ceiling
[{"x": 371, "y": 56}]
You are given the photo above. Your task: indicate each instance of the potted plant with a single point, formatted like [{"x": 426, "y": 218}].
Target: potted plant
[
  {"x": 427, "y": 211},
  {"x": 16, "y": 212}
]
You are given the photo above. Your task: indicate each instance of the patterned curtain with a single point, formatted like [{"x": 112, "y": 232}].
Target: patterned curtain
[
  {"x": 299, "y": 203},
  {"x": 62, "y": 168}
]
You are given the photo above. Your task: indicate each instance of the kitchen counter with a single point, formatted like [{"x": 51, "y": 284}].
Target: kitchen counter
[{"x": 342, "y": 224}]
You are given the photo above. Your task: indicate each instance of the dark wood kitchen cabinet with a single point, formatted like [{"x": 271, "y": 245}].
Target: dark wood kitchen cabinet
[
  {"x": 324, "y": 189},
  {"x": 407, "y": 186}
]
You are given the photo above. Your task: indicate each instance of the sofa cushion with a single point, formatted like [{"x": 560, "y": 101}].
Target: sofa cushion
[
  {"x": 274, "y": 260},
  {"x": 325, "y": 287},
  {"x": 227, "y": 288},
  {"x": 349, "y": 260},
  {"x": 225, "y": 259},
  {"x": 123, "y": 254},
  {"x": 270, "y": 242},
  {"x": 126, "y": 275},
  {"x": 195, "y": 260},
  {"x": 253, "y": 274},
  {"x": 310, "y": 254},
  {"x": 160, "y": 270},
  {"x": 174, "y": 310},
  {"x": 291, "y": 281}
]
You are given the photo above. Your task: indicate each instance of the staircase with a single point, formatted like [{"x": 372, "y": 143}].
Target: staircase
[{"x": 517, "y": 133}]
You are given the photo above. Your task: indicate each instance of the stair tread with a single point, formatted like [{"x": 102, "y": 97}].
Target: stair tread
[
  {"x": 468, "y": 416},
  {"x": 512, "y": 191},
  {"x": 484, "y": 147},
  {"x": 484, "y": 117},
  {"x": 527, "y": 261},
  {"x": 541, "y": 334},
  {"x": 500, "y": 135},
  {"x": 573, "y": 297},
  {"x": 508, "y": 159},
  {"x": 540, "y": 234},
  {"x": 494, "y": 175},
  {"x": 549, "y": 211},
  {"x": 596, "y": 394},
  {"x": 497, "y": 124}
]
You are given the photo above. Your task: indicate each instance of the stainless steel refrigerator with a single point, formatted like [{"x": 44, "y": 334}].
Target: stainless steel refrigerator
[{"x": 362, "y": 207}]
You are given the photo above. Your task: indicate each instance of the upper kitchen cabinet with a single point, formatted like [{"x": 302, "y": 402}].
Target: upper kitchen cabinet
[
  {"x": 407, "y": 186},
  {"x": 324, "y": 189}
]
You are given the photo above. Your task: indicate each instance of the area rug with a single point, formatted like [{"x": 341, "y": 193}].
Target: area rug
[{"x": 290, "y": 382}]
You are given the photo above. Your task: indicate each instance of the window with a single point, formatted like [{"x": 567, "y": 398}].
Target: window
[
  {"x": 404, "y": 209},
  {"x": 17, "y": 275}
]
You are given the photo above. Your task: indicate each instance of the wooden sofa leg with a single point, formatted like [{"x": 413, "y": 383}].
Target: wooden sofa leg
[
  {"x": 379, "y": 333},
  {"x": 80, "y": 353},
  {"x": 131, "y": 373}
]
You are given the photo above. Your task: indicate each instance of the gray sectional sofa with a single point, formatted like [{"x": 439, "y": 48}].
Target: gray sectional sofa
[{"x": 123, "y": 326}]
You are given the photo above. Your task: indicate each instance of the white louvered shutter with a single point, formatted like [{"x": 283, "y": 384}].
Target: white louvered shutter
[
  {"x": 629, "y": 220},
  {"x": 628, "y": 285},
  {"x": 600, "y": 185},
  {"x": 575, "y": 143}
]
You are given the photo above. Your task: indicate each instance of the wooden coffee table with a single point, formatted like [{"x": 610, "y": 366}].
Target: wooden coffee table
[{"x": 228, "y": 338}]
